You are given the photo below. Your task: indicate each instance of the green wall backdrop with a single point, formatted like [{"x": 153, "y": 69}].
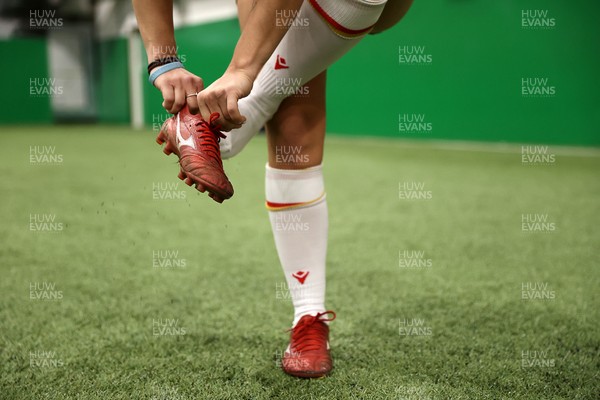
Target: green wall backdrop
[
  {"x": 20, "y": 61},
  {"x": 112, "y": 81},
  {"x": 468, "y": 85},
  {"x": 472, "y": 88},
  {"x": 25, "y": 59}
]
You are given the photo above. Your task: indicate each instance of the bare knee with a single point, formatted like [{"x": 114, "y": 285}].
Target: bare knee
[
  {"x": 296, "y": 138},
  {"x": 296, "y": 125}
]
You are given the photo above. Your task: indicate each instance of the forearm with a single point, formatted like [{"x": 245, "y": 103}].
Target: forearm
[
  {"x": 155, "y": 20},
  {"x": 261, "y": 35}
]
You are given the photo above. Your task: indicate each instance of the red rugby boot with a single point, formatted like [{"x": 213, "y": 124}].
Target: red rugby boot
[
  {"x": 307, "y": 355},
  {"x": 196, "y": 143}
]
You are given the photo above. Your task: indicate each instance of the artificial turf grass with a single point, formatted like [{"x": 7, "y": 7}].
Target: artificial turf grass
[{"x": 226, "y": 296}]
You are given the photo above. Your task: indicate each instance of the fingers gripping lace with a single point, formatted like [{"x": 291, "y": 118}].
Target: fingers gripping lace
[{"x": 210, "y": 135}]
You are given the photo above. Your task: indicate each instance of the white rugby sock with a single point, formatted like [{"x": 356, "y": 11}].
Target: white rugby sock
[
  {"x": 327, "y": 29},
  {"x": 298, "y": 214}
]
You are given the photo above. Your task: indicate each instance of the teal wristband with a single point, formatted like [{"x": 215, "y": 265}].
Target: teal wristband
[{"x": 162, "y": 69}]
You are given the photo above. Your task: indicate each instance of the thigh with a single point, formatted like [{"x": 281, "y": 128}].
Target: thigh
[{"x": 392, "y": 14}]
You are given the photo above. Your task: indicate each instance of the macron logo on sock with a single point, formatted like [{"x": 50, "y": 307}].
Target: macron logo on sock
[
  {"x": 280, "y": 63},
  {"x": 301, "y": 276}
]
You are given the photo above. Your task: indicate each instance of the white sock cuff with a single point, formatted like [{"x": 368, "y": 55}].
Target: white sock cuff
[
  {"x": 350, "y": 17},
  {"x": 287, "y": 188}
]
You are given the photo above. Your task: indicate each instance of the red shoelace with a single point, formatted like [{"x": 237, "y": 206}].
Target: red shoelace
[
  {"x": 210, "y": 135},
  {"x": 310, "y": 333}
]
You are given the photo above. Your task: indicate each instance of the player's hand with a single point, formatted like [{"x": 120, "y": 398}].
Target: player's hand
[
  {"x": 175, "y": 87},
  {"x": 222, "y": 97}
]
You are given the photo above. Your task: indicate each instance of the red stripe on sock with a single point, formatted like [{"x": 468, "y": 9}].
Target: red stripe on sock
[
  {"x": 282, "y": 205},
  {"x": 335, "y": 24}
]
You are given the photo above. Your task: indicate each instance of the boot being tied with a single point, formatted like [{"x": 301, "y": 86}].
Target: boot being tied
[{"x": 196, "y": 143}]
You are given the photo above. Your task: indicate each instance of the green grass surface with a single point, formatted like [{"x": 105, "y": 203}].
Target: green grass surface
[{"x": 226, "y": 300}]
